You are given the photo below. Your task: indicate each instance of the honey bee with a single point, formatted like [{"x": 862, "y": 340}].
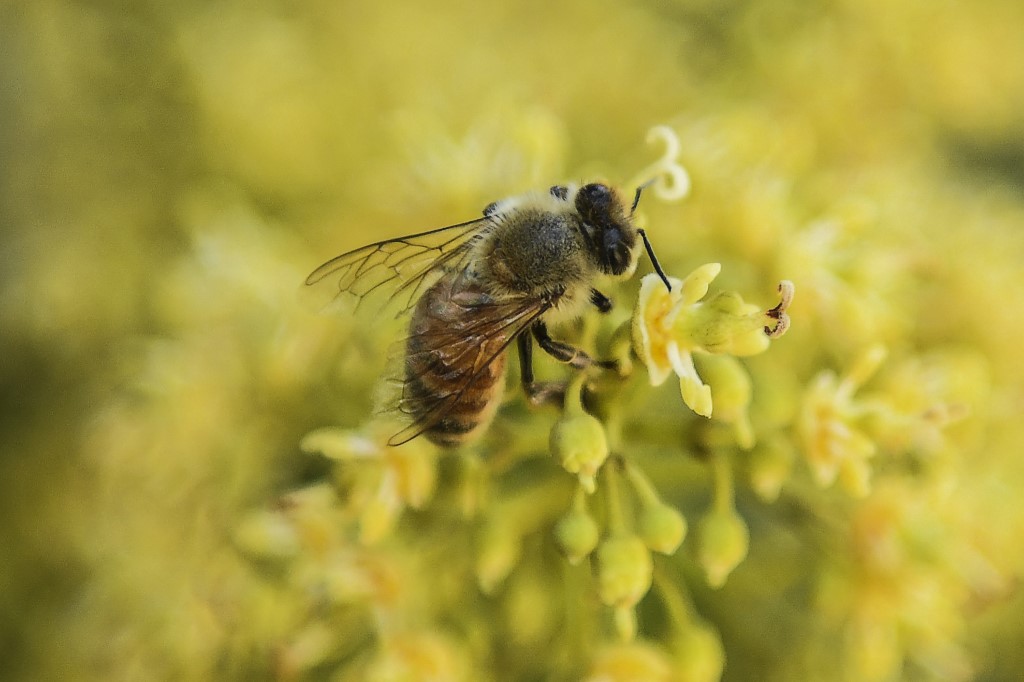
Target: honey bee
[{"x": 477, "y": 286}]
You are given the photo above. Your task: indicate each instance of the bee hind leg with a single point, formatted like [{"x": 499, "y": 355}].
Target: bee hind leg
[
  {"x": 537, "y": 392},
  {"x": 564, "y": 352}
]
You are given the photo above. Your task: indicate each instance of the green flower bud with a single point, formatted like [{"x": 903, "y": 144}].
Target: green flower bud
[
  {"x": 662, "y": 527},
  {"x": 770, "y": 466},
  {"x": 577, "y": 534},
  {"x": 722, "y": 543},
  {"x": 731, "y": 392},
  {"x": 499, "y": 553},
  {"x": 578, "y": 441},
  {"x": 624, "y": 570},
  {"x": 635, "y": 660},
  {"x": 699, "y": 655}
]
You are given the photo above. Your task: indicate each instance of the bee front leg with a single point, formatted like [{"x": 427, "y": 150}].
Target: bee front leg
[
  {"x": 600, "y": 301},
  {"x": 537, "y": 392},
  {"x": 563, "y": 352}
]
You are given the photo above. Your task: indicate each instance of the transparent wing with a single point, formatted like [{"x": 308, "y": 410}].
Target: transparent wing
[
  {"x": 491, "y": 326},
  {"x": 401, "y": 268}
]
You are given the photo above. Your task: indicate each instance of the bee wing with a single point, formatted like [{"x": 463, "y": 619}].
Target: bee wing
[
  {"x": 495, "y": 325},
  {"x": 404, "y": 266}
]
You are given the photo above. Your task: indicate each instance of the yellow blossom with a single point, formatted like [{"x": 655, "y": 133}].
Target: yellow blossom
[
  {"x": 419, "y": 656},
  {"x": 160, "y": 373},
  {"x": 669, "y": 326},
  {"x": 397, "y": 477},
  {"x": 833, "y": 443}
]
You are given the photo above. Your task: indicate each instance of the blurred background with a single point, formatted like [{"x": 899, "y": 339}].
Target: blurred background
[{"x": 169, "y": 173}]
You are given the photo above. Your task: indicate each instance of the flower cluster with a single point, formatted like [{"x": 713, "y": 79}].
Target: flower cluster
[{"x": 842, "y": 502}]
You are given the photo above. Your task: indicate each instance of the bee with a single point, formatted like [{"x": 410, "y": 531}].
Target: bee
[{"x": 475, "y": 287}]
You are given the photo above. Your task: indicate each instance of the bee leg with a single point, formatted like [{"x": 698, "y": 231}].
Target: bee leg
[
  {"x": 563, "y": 352},
  {"x": 537, "y": 392},
  {"x": 602, "y": 302}
]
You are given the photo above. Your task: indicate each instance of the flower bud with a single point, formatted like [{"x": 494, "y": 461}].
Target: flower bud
[
  {"x": 636, "y": 660},
  {"x": 698, "y": 653},
  {"x": 624, "y": 570},
  {"x": 577, "y": 535},
  {"x": 499, "y": 553},
  {"x": 662, "y": 527},
  {"x": 731, "y": 391},
  {"x": 770, "y": 466},
  {"x": 722, "y": 543},
  {"x": 578, "y": 441}
]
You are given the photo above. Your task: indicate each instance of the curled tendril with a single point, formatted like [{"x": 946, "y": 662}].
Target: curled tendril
[{"x": 669, "y": 180}]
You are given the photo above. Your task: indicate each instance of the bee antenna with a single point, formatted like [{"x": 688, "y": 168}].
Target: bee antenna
[
  {"x": 650, "y": 252},
  {"x": 636, "y": 199}
]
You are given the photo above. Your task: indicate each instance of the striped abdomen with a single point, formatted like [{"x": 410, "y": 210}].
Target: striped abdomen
[{"x": 454, "y": 362}]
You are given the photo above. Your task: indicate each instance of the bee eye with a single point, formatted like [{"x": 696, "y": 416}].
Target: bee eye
[
  {"x": 593, "y": 197},
  {"x": 616, "y": 252},
  {"x": 618, "y": 258}
]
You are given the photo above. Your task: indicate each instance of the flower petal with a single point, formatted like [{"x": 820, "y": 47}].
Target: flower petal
[
  {"x": 696, "y": 394},
  {"x": 696, "y": 284}
]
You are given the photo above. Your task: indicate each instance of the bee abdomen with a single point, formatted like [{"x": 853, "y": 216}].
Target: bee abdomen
[{"x": 454, "y": 375}]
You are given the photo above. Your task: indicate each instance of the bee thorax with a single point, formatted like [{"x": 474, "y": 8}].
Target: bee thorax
[{"x": 535, "y": 253}]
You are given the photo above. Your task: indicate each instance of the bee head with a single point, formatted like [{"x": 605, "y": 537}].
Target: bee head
[{"x": 611, "y": 233}]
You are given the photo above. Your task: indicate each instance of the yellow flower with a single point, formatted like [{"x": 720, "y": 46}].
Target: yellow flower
[
  {"x": 419, "y": 656},
  {"x": 670, "y": 326},
  {"x": 399, "y": 477},
  {"x": 833, "y": 443}
]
